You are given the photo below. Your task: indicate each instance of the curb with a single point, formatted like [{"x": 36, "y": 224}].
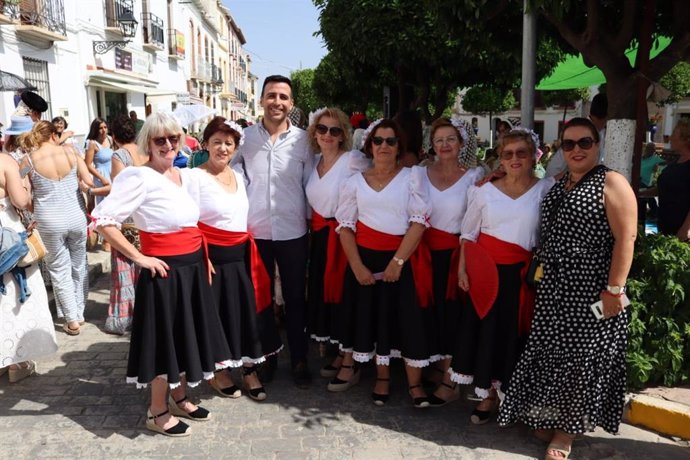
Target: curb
[{"x": 665, "y": 417}]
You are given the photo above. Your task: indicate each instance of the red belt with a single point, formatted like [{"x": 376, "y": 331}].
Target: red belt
[
  {"x": 260, "y": 278},
  {"x": 504, "y": 253},
  {"x": 420, "y": 260},
  {"x": 336, "y": 261},
  {"x": 185, "y": 241},
  {"x": 439, "y": 240}
]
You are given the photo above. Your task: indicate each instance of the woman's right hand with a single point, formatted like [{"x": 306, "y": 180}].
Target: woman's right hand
[
  {"x": 156, "y": 266},
  {"x": 463, "y": 280},
  {"x": 364, "y": 276}
]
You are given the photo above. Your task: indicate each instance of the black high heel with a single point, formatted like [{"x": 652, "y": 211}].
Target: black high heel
[
  {"x": 435, "y": 401},
  {"x": 257, "y": 394},
  {"x": 480, "y": 417},
  {"x": 381, "y": 399},
  {"x": 421, "y": 402}
]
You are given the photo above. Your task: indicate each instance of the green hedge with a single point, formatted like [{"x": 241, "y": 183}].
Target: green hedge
[{"x": 659, "y": 334}]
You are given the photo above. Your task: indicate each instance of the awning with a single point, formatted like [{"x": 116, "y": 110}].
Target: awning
[
  {"x": 573, "y": 73},
  {"x": 123, "y": 83}
]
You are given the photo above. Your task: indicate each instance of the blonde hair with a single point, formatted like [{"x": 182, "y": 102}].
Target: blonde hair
[
  {"x": 343, "y": 123},
  {"x": 40, "y": 133},
  {"x": 158, "y": 124}
]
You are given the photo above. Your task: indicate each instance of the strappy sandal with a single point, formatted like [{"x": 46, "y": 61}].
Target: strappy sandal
[
  {"x": 435, "y": 401},
  {"x": 560, "y": 448},
  {"x": 176, "y": 431},
  {"x": 22, "y": 371},
  {"x": 480, "y": 417},
  {"x": 227, "y": 392},
  {"x": 199, "y": 415},
  {"x": 337, "y": 385},
  {"x": 421, "y": 402},
  {"x": 257, "y": 394},
  {"x": 71, "y": 331},
  {"x": 379, "y": 398},
  {"x": 329, "y": 370}
]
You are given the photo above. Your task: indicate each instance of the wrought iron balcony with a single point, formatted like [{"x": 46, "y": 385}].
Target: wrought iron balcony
[
  {"x": 42, "y": 19},
  {"x": 114, "y": 9},
  {"x": 216, "y": 75},
  {"x": 203, "y": 72},
  {"x": 175, "y": 51},
  {"x": 154, "y": 33},
  {"x": 9, "y": 12}
]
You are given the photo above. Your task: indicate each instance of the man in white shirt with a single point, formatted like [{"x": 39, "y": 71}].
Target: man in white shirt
[{"x": 277, "y": 162}]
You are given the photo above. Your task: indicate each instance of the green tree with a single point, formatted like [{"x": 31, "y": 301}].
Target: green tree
[
  {"x": 303, "y": 90},
  {"x": 482, "y": 100},
  {"x": 564, "y": 98},
  {"x": 677, "y": 81}
]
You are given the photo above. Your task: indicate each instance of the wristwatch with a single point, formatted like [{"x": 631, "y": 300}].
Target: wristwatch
[
  {"x": 399, "y": 261},
  {"x": 615, "y": 290}
]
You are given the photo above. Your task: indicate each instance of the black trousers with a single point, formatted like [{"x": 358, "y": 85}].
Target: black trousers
[{"x": 291, "y": 256}]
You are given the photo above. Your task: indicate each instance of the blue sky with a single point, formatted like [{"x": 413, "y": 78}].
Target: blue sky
[{"x": 279, "y": 34}]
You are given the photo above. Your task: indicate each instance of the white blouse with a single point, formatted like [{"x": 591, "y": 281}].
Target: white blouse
[
  {"x": 449, "y": 205},
  {"x": 323, "y": 192},
  {"x": 217, "y": 207},
  {"x": 403, "y": 200},
  {"x": 156, "y": 204},
  {"x": 493, "y": 212}
]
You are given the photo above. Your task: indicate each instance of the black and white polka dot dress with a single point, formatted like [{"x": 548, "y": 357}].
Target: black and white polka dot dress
[{"x": 571, "y": 375}]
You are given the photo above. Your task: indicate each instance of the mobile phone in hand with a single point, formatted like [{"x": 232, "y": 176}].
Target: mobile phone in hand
[{"x": 598, "y": 307}]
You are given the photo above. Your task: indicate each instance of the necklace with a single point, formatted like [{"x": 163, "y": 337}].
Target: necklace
[
  {"x": 217, "y": 176},
  {"x": 381, "y": 182}
]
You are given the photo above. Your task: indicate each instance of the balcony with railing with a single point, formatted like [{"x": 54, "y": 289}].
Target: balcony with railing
[
  {"x": 42, "y": 20},
  {"x": 114, "y": 10},
  {"x": 216, "y": 75},
  {"x": 203, "y": 72},
  {"x": 176, "y": 46},
  {"x": 153, "y": 31},
  {"x": 9, "y": 12}
]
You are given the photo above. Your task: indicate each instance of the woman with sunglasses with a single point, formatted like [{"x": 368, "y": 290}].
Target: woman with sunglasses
[
  {"x": 241, "y": 286},
  {"x": 571, "y": 377},
  {"x": 382, "y": 214},
  {"x": 177, "y": 338},
  {"x": 498, "y": 231},
  {"x": 329, "y": 135},
  {"x": 447, "y": 182}
]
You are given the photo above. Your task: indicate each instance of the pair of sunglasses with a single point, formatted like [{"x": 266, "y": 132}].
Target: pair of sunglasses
[
  {"x": 508, "y": 154},
  {"x": 378, "y": 140},
  {"x": 585, "y": 143},
  {"x": 334, "y": 130},
  {"x": 160, "y": 141}
]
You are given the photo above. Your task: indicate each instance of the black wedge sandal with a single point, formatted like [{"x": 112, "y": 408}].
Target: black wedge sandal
[
  {"x": 176, "y": 431},
  {"x": 381, "y": 399},
  {"x": 257, "y": 394},
  {"x": 435, "y": 401},
  {"x": 420, "y": 402},
  {"x": 199, "y": 415}
]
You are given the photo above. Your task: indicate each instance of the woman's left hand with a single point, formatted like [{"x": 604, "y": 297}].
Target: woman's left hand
[
  {"x": 613, "y": 305},
  {"x": 392, "y": 272}
]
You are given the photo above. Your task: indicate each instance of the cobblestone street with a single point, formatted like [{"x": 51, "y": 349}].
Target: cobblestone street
[{"x": 80, "y": 406}]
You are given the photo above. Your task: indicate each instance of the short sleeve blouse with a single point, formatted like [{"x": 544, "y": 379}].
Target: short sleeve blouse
[
  {"x": 494, "y": 213},
  {"x": 323, "y": 192},
  {"x": 390, "y": 210},
  {"x": 156, "y": 204},
  {"x": 217, "y": 207}
]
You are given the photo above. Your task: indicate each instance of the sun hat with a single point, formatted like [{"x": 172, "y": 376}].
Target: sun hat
[{"x": 19, "y": 125}]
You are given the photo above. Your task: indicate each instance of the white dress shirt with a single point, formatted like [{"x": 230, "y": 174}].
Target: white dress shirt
[{"x": 276, "y": 174}]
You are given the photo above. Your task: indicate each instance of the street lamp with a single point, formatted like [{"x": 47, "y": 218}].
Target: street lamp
[{"x": 128, "y": 29}]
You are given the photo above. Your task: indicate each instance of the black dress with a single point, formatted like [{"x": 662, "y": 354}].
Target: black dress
[{"x": 571, "y": 376}]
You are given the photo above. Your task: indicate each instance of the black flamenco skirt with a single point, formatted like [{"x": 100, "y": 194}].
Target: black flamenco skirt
[
  {"x": 383, "y": 320},
  {"x": 443, "y": 318},
  {"x": 234, "y": 296},
  {"x": 487, "y": 349},
  {"x": 176, "y": 329},
  {"x": 321, "y": 318}
]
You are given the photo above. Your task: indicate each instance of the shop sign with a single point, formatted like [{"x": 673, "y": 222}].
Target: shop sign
[
  {"x": 140, "y": 63},
  {"x": 182, "y": 98},
  {"x": 123, "y": 59}
]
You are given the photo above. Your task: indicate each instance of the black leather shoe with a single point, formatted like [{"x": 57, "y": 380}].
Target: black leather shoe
[{"x": 301, "y": 375}]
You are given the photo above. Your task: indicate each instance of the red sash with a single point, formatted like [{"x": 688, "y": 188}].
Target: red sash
[
  {"x": 504, "y": 253},
  {"x": 420, "y": 260},
  {"x": 438, "y": 240},
  {"x": 185, "y": 241},
  {"x": 336, "y": 261},
  {"x": 260, "y": 278}
]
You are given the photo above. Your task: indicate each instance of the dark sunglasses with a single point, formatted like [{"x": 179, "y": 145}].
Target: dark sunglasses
[
  {"x": 378, "y": 140},
  {"x": 160, "y": 141},
  {"x": 508, "y": 154},
  {"x": 334, "y": 130},
  {"x": 585, "y": 143}
]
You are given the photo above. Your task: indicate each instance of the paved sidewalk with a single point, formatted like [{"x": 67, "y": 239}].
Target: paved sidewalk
[{"x": 80, "y": 407}]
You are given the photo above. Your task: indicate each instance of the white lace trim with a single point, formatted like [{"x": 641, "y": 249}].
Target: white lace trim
[
  {"x": 346, "y": 224},
  {"x": 228, "y": 363},
  {"x": 395, "y": 354},
  {"x": 280, "y": 348},
  {"x": 383, "y": 360},
  {"x": 365, "y": 357},
  {"x": 424, "y": 220},
  {"x": 319, "y": 338},
  {"x": 104, "y": 221},
  {"x": 436, "y": 358},
  {"x": 248, "y": 360},
  {"x": 140, "y": 385},
  {"x": 418, "y": 363},
  {"x": 462, "y": 379},
  {"x": 481, "y": 392}
]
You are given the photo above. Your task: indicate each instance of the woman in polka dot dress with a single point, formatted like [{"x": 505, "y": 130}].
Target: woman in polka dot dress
[{"x": 571, "y": 376}]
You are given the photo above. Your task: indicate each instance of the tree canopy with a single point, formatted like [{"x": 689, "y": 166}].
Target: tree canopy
[{"x": 303, "y": 90}]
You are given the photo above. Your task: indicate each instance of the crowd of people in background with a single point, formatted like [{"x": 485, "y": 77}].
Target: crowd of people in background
[{"x": 473, "y": 271}]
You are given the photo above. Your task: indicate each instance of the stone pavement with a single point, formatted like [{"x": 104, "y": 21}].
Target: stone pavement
[{"x": 80, "y": 406}]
